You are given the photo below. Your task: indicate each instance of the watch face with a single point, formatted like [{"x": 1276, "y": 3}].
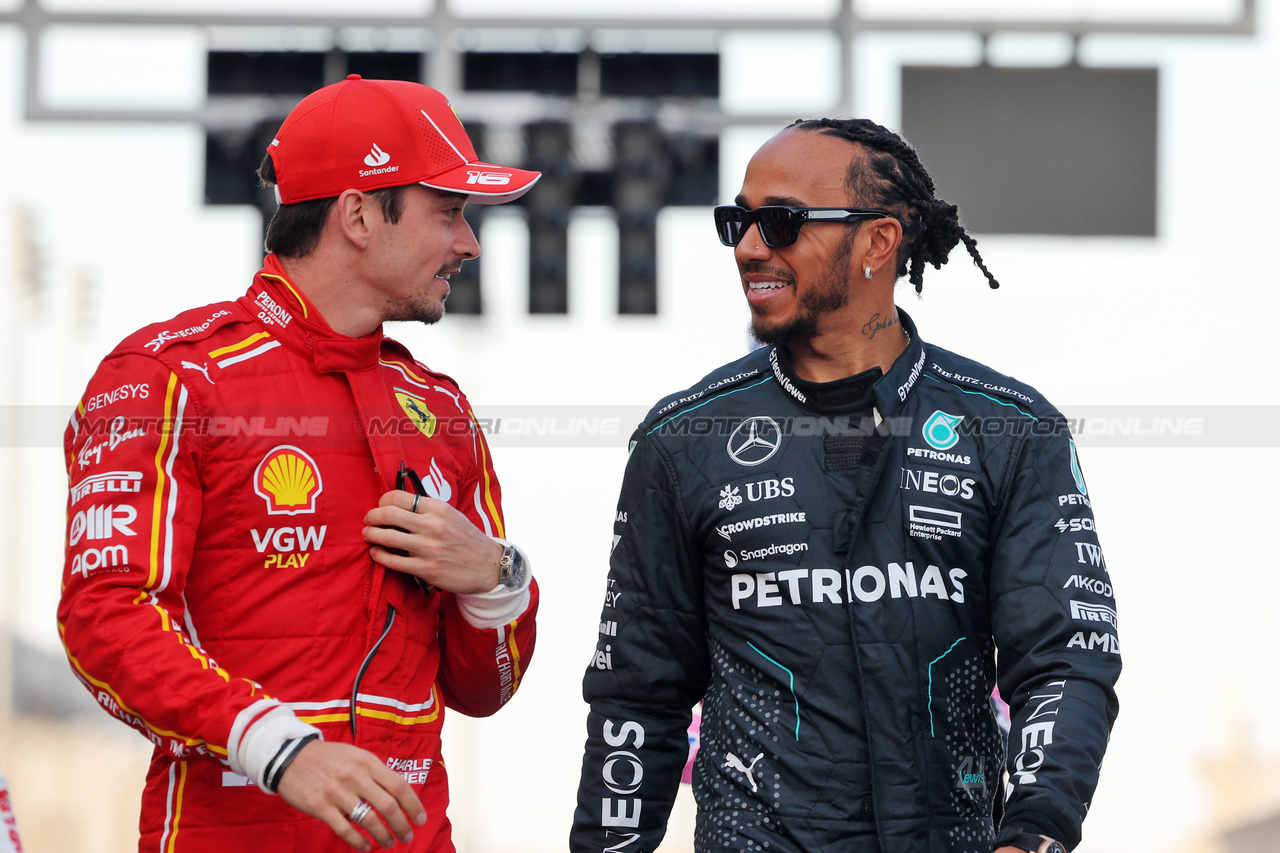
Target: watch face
[
  {"x": 511, "y": 568},
  {"x": 1054, "y": 847}
]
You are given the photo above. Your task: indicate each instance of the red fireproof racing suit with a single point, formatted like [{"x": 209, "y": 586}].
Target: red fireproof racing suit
[{"x": 218, "y": 595}]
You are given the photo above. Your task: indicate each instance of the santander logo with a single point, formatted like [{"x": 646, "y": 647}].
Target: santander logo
[{"x": 376, "y": 157}]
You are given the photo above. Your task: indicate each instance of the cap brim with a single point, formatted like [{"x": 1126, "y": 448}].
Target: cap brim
[{"x": 485, "y": 183}]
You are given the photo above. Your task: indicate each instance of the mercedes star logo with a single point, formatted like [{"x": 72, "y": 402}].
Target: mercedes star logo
[{"x": 754, "y": 441}]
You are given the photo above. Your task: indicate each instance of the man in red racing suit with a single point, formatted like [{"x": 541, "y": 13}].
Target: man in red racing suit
[{"x": 251, "y": 581}]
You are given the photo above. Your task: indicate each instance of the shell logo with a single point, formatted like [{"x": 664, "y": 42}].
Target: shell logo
[{"x": 288, "y": 480}]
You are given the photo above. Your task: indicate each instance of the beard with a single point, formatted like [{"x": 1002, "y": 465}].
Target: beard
[
  {"x": 421, "y": 306},
  {"x": 428, "y": 311},
  {"x": 420, "y": 309},
  {"x": 829, "y": 293}
]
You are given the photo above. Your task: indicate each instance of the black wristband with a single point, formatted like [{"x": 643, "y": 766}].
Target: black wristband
[{"x": 283, "y": 758}]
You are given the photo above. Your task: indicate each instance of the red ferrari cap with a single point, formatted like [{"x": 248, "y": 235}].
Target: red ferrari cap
[{"x": 370, "y": 134}]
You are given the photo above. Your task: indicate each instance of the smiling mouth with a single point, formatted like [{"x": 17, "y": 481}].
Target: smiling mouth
[{"x": 764, "y": 286}]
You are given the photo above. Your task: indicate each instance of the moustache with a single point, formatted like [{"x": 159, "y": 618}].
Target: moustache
[{"x": 758, "y": 268}]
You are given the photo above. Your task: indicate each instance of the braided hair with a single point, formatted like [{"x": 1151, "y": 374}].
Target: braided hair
[{"x": 897, "y": 181}]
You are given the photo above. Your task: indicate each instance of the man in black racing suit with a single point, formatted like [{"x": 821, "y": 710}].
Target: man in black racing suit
[{"x": 827, "y": 541}]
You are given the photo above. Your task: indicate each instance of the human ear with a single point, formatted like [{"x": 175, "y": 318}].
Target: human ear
[
  {"x": 350, "y": 211},
  {"x": 882, "y": 239}
]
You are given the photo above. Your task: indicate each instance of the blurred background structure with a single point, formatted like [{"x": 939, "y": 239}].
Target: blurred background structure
[{"x": 1113, "y": 157}]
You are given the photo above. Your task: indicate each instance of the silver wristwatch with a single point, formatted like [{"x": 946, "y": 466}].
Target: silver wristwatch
[{"x": 511, "y": 567}]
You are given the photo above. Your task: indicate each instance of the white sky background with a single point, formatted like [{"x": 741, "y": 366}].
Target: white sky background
[{"x": 1183, "y": 319}]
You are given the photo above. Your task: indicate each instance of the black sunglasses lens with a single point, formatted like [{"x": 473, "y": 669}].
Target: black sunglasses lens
[
  {"x": 778, "y": 226},
  {"x": 730, "y": 224}
]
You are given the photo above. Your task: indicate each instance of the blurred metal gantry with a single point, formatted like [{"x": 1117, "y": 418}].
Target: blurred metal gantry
[{"x": 445, "y": 31}]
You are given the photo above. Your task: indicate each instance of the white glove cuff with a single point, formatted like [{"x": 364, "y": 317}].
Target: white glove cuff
[{"x": 257, "y": 735}]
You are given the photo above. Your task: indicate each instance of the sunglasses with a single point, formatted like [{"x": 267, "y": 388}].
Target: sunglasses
[{"x": 780, "y": 226}]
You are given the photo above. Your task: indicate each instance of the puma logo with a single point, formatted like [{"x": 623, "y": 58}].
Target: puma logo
[
  {"x": 204, "y": 370},
  {"x": 733, "y": 762},
  {"x": 456, "y": 397}
]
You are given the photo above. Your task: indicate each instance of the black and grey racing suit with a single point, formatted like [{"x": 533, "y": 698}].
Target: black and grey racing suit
[{"x": 831, "y": 569}]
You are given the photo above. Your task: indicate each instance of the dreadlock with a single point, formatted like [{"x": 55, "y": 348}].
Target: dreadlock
[{"x": 897, "y": 181}]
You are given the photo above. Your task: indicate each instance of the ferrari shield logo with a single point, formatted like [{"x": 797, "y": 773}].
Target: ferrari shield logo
[{"x": 416, "y": 408}]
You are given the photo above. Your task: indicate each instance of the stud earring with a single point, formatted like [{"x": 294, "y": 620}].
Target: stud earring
[{"x": 866, "y": 271}]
